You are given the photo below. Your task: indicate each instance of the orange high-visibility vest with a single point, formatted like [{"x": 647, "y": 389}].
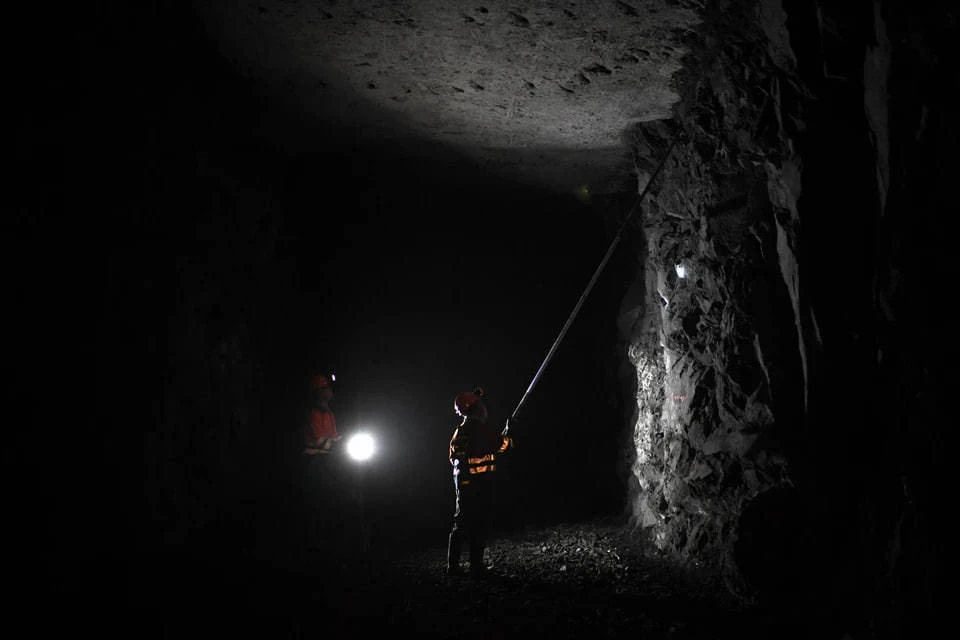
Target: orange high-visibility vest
[{"x": 474, "y": 448}]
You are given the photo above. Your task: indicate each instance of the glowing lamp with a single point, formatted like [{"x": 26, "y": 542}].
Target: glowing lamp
[{"x": 360, "y": 446}]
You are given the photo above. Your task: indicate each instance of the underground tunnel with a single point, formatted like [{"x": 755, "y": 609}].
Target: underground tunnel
[{"x": 693, "y": 251}]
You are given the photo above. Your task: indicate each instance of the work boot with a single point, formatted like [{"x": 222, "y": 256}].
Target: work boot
[{"x": 453, "y": 554}]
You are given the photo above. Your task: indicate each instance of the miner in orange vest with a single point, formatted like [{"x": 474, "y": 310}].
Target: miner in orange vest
[
  {"x": 322, "y": 482},
  {"x": 320, "y": 432},
  {"x": 474, "y": 448}
]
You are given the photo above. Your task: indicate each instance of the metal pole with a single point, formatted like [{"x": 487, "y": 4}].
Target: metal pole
[{"x": 596, "y": 274}]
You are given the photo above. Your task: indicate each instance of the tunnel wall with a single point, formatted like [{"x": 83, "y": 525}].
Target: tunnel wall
[
  {"x": 716, "y": 351},
  {"x": 787, "y": 422}
]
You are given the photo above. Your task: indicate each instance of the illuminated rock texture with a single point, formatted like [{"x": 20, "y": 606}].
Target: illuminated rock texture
[
  {"x": 785, "y": 417},
  {"x": 715, "y": 350},
  {"x": 540, "y": 92}
]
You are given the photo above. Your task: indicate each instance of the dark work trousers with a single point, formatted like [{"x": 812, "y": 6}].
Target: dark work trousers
[
  {"x": 326, "y": 496},
  {"x": 472, "y": 519},
  {"x": 336, "y": 520}
]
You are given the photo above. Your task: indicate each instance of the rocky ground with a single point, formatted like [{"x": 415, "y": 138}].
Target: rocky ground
[{"x": 588, "y": 579}]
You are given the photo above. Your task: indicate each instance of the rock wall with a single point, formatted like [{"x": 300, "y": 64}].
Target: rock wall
[
  {"x": 714, "y": 362},
  {"x": 785, "y": 422}
]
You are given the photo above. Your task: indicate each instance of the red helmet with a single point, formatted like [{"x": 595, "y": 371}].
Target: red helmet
[
  {"x": 465, "y": 401},
  {"x": 321, "y": 382}
]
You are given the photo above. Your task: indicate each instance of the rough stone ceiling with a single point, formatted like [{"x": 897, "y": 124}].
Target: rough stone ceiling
[{"x": 538, "y": 91}]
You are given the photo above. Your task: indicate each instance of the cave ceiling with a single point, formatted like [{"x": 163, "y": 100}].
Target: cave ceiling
[{"x": 540, "y": 92}]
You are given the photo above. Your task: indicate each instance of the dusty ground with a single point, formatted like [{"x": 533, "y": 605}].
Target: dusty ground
[{"x": 562, "y": 581}]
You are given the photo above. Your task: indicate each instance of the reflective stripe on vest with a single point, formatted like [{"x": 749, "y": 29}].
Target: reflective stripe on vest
[
  {"x": 487, "y": 468},
  {"x": 482, "y": 464}
]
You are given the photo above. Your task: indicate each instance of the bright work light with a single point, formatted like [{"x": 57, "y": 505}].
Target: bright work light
[
  {"x": 360, "y": 446},
  {"x": 681, "y": 271}
]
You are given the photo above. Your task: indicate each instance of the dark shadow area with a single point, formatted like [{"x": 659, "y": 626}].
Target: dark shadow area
[
  {"x": 561, "y": 580},
  {"x": 190, "y": 277}
]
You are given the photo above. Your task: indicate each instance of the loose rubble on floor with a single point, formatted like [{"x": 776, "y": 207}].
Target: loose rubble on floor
[{"x": 567, "y": 580}]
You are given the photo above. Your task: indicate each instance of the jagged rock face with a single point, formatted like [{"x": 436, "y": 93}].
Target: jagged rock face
[
  {"x": 712, "y": 340},
  {"x": 784, "y": 416}
]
